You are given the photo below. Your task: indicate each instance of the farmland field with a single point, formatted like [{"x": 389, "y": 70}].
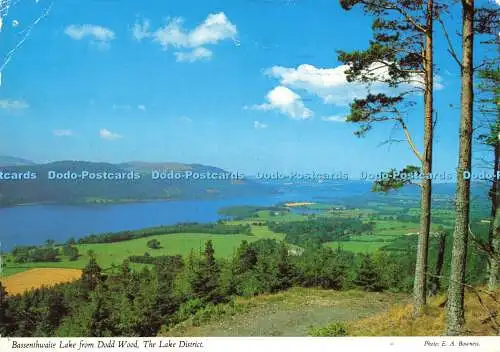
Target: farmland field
[
  {"x": 385, "y": 232},
  {"x": 110, "y": 254},
  {"x": 357, "y": 247},
  {"x": 33, "y": 278}
]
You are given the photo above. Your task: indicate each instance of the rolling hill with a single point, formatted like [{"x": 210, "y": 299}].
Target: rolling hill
[
  {"x": 77, "y": 182},
  {"x": 13, "y": 161}
]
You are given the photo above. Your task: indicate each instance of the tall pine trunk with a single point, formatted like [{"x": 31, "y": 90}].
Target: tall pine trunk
[
  {"x": 455, "y": 305},
  {"x": 494, "y": 230},
  {"x": 436, "y": 279},
  {"x": 420, "y": 284}
]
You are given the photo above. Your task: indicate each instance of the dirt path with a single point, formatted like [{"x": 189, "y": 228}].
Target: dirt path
[{"x": 294, "y": 312}]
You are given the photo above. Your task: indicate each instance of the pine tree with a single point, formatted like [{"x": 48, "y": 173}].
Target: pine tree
[
  {"x": 331, "y": 268},
  {"x": 91, "y": 274},
  {"x": 435, "y": 281},
  {"x": 55, "y": 311},
  {"x": 489, "y": 89},
  {"x": 205, "y": 282},
  {"x": 246, "y": 258},
  {"x": 166, "y": 302},
  {"x": 285, "y": 271},
  {"x": 125, "y": 272},
  {"x": 3, "y": 310},
  {"x": 367, "y": 276},
  {"x": 265, "y": 274},
  {"x": 146, "y": 301},
  {"x": 100, "y": 324},
  {"x": 400, "y": 56},
  {"x": 29, "y": 314},
  {"x": 455, "y": 306}
]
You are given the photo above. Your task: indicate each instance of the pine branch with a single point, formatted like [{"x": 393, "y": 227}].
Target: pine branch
[
  {"x": 486, "y": 292},
  {"x": 391, "y": 140},
  {"x": 409, "y": 139},
  {"x": 451, "y": 49},
  {"x": 481, "y": 245},
  {"x": 410, "y": 19},
  {"x": 491, "y": 315},
  {"x": 396, "y": 51}
]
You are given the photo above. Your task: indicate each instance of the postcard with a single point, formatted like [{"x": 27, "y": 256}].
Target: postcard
[{"x": 249, "y": 175}]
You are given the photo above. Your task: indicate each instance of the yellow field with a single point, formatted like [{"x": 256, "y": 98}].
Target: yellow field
[
  {"x": 298, "y": 204},
  {"x": 34, "y": 278}
]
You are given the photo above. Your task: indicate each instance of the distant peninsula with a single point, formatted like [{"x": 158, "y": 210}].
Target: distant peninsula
[{"x": 84, "y": 182}]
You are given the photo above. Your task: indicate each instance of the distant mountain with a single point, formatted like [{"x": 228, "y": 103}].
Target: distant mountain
[
  {"x": 83, "y": 182},
  {"x": 145, "y": 166},
  {"x": 13, "y": 161}
]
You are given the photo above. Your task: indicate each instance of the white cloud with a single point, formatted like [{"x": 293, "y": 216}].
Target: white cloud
[
  {"x": 334, "y": 118},
  {"x": 287, "y": 102},
  {"x": 99, "y": 35},
  {"x": 13, "y": 104},
  {"x": 141, "y": 30},
  {"x": 214, "y": 29},
  {"x": 106, "y": 134},
  {"x": 259, "y": 125},
  {"x": 330, "y": 84},
  {"x": 15, "y": 23},
  {"x": 438, "y": 81},
  {"x": 194, "y": 55},
  {"x": 62, "y": 133},
  {"x": 141, "y": 107},
  {"x": 172, "y": 34}
]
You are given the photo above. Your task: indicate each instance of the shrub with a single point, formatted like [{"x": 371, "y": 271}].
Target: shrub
[
  {"x": 333, "y": 329},
  {"x": 154, "y": 244},
  {"x": 189, "y": 308}
]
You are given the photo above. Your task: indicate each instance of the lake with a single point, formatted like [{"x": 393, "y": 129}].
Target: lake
[{"x": 33, "y": 224}]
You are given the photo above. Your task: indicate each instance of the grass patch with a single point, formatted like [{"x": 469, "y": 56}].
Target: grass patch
[
  {"x": 280, "y": 216},
  {"x": 291, "y": 313},
  {"x": 371, "y": 238},
  {"x": 110, "y": 254},
  {"x": 399, "y": 321},
  {"x": 11, "y": 270},
  {"x": 357, "y": 246}
]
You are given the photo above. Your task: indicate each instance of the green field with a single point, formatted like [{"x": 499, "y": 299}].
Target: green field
[
  {"x": 110, "y": 254},
  {"x": 279, "y": 216},
  {"x": 357, "y": 247},
  {"x": 371, "y": 238},
  {"x": 385, "y": 232}
]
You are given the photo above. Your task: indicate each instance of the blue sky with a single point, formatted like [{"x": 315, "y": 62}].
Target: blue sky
[{"x": 250, "y": 85}]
